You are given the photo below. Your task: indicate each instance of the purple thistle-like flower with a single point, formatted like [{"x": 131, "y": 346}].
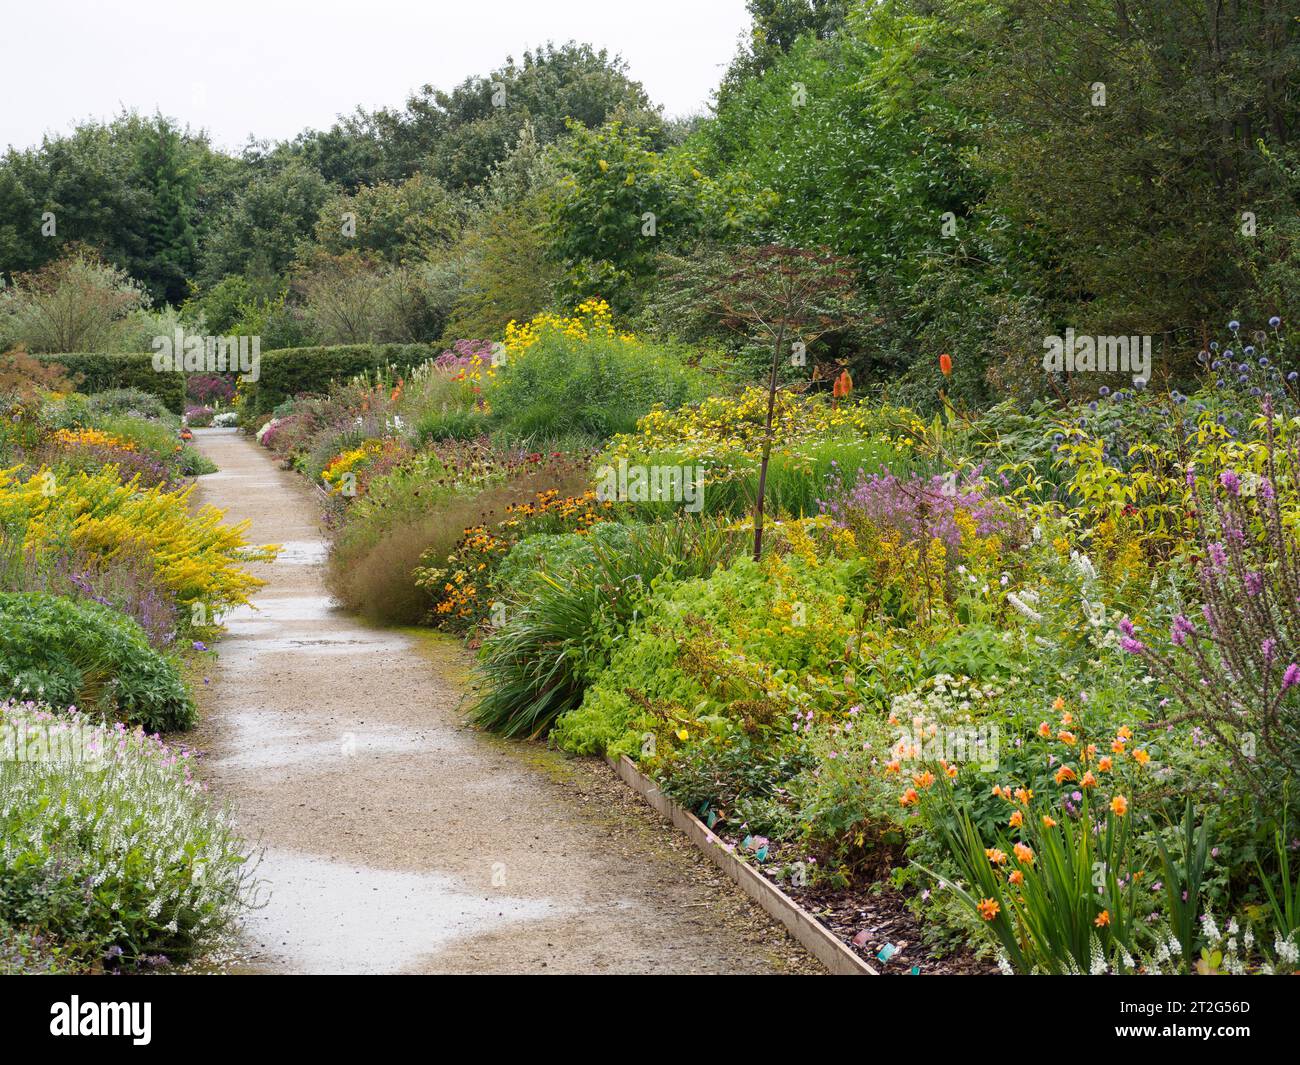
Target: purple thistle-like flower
[
  {"x": 1132, "y": 646},
  {"x": 1254, "y": 583},
  {"x": 1231, "y": 482},
  {"x": 1181, "y": 629}
]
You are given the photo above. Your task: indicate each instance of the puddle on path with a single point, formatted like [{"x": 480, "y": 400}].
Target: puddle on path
[
  {"x": 302, "y": 553},
  {"x": 263, "y": 740},
  {"x": 341, "y": 918}
]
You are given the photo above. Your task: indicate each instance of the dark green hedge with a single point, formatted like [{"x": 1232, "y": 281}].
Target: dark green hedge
[
  {"x": 289, "y": 372},
  {"x": 99, "y": 372}
]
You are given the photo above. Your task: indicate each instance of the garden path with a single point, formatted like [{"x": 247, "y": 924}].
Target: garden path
[{"x": 396, "y": 839}]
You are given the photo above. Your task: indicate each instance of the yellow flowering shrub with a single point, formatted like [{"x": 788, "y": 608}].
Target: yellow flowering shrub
[
  {"x": 91, "y": 438},
  {"x": 590, "y": 318},
  {"x": 195, "y": 556}
]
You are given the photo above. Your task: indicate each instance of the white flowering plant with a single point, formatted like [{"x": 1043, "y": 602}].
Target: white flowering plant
[{"x": 110, "y": 844}]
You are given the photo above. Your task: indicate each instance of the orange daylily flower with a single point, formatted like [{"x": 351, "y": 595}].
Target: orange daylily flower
[
  {"x": 1023, "y": 854},
  {"x": 1065, "y": 773},
  {"x": 995, "y": 856},
  {"x": 1017, "y": 819},
  {"x": 1089, "y": 781},
  {"x": 1066, "y": 737},
  {"x": 1016, "y": 876},
  {"x": 1104, "y": 765},
  {"x": 1044, "y": 729},
  {"x": 1103, "y": 919},
  {"x": 988, "y": 909},
  {"x": 1119, "y": 805},
  {"x": 1141, "y": 757},
  {"x": 909, "y": 798},
  {"x": 1048, "y": 822}
]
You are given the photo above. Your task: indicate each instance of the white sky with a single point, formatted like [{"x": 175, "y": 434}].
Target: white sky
[{"x": 274, "y": 67}]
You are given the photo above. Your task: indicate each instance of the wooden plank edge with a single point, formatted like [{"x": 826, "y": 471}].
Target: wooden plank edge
[{"x": 819, "y": 941}]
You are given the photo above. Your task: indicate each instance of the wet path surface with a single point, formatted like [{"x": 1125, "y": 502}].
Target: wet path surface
[{"x": 398, "y": 840}]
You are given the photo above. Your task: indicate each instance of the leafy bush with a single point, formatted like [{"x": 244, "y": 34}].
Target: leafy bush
[
  {"x": 110, "y": 844},
  {"x": 100, "y": 372},
  {"x": 578, "y": 375},
  {"x": 561, "y": 629},
  {"x": 69, "y": 652}
]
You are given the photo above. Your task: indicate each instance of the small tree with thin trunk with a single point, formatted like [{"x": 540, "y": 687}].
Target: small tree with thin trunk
[{"x": 784, "y": 297}]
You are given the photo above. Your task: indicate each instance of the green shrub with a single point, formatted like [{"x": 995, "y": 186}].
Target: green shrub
[
  {"x": 101, "y": 372},
  {"x": 600, "y": 386},
  {"x": 436, "y": 426},
  {"x": 561, "y": 630},
  {"x": 289, "y": 372},
  {"x": 110, "y": 847},
  {"x": 69, "y": 652}
]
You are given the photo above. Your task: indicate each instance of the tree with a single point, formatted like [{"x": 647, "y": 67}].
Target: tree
[
  {"x": 166, "y": 227},
  {"x": 786, "y": 297},
  {"x": 77, "y": 303}
]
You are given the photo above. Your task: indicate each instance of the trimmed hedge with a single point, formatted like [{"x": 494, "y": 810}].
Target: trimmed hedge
[
  {"x": 289, "y": 372},
  {"x": 102, "y": 372}
]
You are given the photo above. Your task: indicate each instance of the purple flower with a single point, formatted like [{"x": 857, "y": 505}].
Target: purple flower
[
  {"x": 1181, "y": 629},
  {"x": 1218, "y": 556},
  {"x": 1254, "y": 583},
  {"x": 1291, "y": 677},
  {"x": 1231, "y": 482},
  {"x": 1132, "y": 646},
  {"x": 1126, "y": 627}
]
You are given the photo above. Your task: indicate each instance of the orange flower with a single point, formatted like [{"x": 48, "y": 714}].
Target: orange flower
[
  {"x": 1044, "y": 729},
  {"x": 909, "y": 798},
  {"x": 997, "y": 791},
  {"x": 893, "y": 767},
  {"x": 1141, "y": 757},
  {"x": 1059, "y": 704},
  {"x": 1117, "y": 747},
  {"x": 1067, "y": 738},
  {"x": 1125, "y": 733},
  {"x": 1048, "y": 822},
  {"x": 1016, "y": 876},
  {"x": 1023, "y": 854},
  {"x": 923, "y": 780},
  {"x": 951, "y": 771},
  {"x": 1024, "y": 795},
  {"x": 1089, "y": 781},
  {"x": 995, "y": 856},
  {"x": 1119, "y": 805},
  {"x": 945, "y": 364},
  {"x": 1017, "y": 819},
  {"x": 1065, "y": 773},
  {"x": 843, "y": 385},
  {"x": 1103, "y": 919},
  {"x": 988, "y": 909}
]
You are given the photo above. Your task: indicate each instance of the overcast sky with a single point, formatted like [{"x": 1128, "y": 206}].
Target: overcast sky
[{"x": 274, "y": 67}]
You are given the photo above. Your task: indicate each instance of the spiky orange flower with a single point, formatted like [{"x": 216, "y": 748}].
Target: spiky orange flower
[
  {"x": 1065, "y": 773},
  {"x": 1103, "y": 919},
  {"x": 1141, "y": 757},
  {"x": 988, "y": 909},
  {"x": 1119, "y": 806},
  {"x": 1104, "y": 765},
  {"x": 1048, "y": 822},
  {"x": 995, "y": 856},
  {"x": 1023, "y": 795},
  {"x": 923, "y": 780},
  {"x": 945, "y": 364},
  {"x": 1024, "y": 855}
]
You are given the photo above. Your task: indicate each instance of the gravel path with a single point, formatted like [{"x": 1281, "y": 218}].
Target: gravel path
[{"x": 399, "y": 840}]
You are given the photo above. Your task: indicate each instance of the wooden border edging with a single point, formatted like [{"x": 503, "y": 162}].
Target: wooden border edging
[{"x": 811, "y": 933}]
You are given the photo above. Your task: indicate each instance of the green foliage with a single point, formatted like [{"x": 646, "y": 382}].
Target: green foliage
[
  {"x": 78, "y": 653},
  {"x": 600, "y": 386},
  {"x": 562, "y": 627},
  {"x": 111, "y": 850},
  {"x": 102, "y": 372}
]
